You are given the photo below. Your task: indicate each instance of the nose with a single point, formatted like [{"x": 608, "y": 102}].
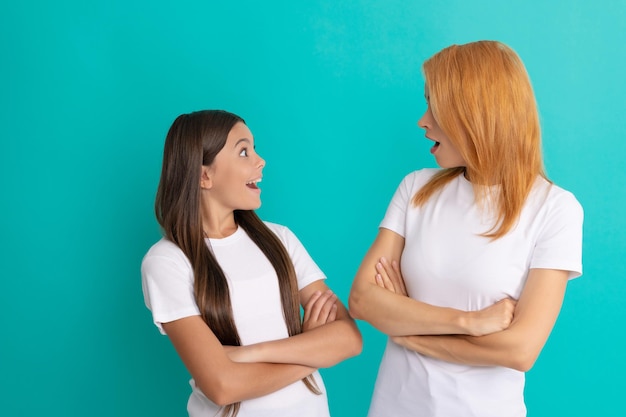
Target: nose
[
  {"x": 261, "y": 162},
  {"x": 425, "y": 121}
]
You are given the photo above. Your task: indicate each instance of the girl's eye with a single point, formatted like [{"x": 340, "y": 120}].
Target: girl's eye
[{"x": 244, "y": 152}]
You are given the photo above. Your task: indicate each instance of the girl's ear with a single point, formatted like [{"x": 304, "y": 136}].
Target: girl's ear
[{"x": 205, "y": 178}]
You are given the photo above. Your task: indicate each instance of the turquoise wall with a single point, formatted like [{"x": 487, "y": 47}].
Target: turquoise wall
[{"x": 332, "y": 90}]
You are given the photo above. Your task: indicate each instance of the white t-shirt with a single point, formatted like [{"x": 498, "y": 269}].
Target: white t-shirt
[
  {"x": 167, "y": 281},
  {"x": 446, "y": 263}
]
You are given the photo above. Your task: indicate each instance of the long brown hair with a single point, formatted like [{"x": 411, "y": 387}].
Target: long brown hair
[
  {"x": 193, "y": 141},
  {"x": 481, "y": 97}
]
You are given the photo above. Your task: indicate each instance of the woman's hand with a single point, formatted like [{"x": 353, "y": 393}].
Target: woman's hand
[
  {"x": 388, "y": 276},
  {"x": 492, "y": 319},
  {"x": 320, "y": 309}
]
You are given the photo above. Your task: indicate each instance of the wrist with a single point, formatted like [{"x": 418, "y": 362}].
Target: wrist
[{"x": 466, "y": 322}]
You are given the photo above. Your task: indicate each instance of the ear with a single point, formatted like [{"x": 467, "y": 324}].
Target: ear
[{"x": 205, "y": 178}]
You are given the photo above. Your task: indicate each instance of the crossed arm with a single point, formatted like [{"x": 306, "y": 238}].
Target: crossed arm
[
  {"x": 514, "y": 334},
  {"x": 395, "y": 314},
  {"x": 227, "y": 374}
]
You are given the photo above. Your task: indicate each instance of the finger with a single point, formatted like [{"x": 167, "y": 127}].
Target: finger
[
  {"x": 326, "y": 308},
  {"x": 389, "y": 271},
  {"x": 382, "y": 279},
  {"x": 388, "y": 268},
  {"x": 318, "y": 311},
  {"x": 396, "y": 268},
  {"x": 333, "y": 314},
  {"x": 309, "y": 305},
  {"x": 384, "y": 276},
  {"x": 379, "y": 280}
]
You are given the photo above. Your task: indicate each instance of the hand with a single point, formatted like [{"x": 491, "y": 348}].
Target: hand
[
  {"x": 492, "y": 319},
  {"x": 319, "y": 310},
  {"x": 389, "y": 277}
]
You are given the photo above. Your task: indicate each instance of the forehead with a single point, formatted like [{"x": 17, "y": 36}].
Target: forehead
[{"x": 239, "y": 133}]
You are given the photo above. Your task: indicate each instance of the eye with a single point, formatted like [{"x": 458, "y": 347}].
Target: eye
[{"x": 244, "y": 152}]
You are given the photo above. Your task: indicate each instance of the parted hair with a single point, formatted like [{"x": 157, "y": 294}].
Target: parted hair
[
  {"x": 482, "y": 98},
  {"x": 193, "y": 141}
]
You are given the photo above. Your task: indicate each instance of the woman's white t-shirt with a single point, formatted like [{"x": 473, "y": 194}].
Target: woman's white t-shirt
[
  {"x": 167, "y": 281},
  {"x": 447, "y": 263}
]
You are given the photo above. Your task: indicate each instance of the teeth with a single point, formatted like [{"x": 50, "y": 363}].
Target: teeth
[{"x": 254, "y": 181}]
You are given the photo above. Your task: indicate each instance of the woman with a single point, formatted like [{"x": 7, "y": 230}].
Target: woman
[
  {"x": 486, "y": 247},
  {"x": 227, "y": 288}
]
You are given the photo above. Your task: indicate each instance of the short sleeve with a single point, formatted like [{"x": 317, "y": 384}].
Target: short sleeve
[
  {"x": 167, "y": 283},
  {"x": 307, "y": 270},
  {"x": 395, "y": 216},
  {"x": 559, "y": 244}
]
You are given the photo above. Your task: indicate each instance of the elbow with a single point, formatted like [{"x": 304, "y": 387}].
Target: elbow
[
  {"x": 351, "y": 347},
  {"x": 523, "y": 364},
  {"x": 218, "y": 393},
  {"x": 355, "y": 307},
  {"x": 356, "y": 347},
  {"x": 523, "y": 360}
]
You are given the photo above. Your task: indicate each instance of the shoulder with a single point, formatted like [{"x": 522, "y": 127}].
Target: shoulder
[
  {"x": 285, "y": 234},
  {"x": 414, "y": 181},
  {"x": 554, "y": 198},
  {"x": 291, "y": 242},
  {"x": 421, "y": 175},
  {"x": 164, "y": 251},
  {"x": 276, "y": 228}
]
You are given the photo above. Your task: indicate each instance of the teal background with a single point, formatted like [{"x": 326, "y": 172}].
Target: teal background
[{"x": 332, "y": 91}]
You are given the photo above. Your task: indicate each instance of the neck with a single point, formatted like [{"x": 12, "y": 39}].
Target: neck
[{"x": 218, "y": 224}]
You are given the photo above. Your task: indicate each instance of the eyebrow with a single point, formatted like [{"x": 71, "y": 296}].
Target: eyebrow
[{"x": 242, "y": 140}]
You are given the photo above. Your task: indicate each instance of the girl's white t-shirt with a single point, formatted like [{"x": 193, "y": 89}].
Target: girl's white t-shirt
[
  {"x": 167, "y": 282},
  {"x": 447, "y": 263}
]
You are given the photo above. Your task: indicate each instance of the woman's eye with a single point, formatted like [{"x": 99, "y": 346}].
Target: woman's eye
[{"x": 244, "y": 152}]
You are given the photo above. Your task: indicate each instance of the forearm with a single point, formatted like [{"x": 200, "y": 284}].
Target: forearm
[
  {"x": 516, "y": 347},
  {"x": 221, "y": 379},
  {"x": 496, "y": 349},
  {"x": 253, "y": 380},
  {"x": 321, "y": 347},
  {"x": 398, "y": 315}
]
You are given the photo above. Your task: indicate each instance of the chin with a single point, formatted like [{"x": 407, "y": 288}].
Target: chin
[{"x": 254, "y": 206}]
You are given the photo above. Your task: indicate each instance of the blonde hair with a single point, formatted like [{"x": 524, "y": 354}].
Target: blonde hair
[{"x": 481, "y": 97}]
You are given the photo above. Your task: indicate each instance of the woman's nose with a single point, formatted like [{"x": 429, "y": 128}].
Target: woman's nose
[{"x": 425, "y": 121}]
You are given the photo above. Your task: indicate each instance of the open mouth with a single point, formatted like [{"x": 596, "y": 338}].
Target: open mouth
[
  {"x": 253, "y": 184},
  {"x": 435, "y": 147}
]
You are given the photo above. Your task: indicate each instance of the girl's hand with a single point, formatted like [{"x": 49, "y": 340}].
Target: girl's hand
[
  {"x": 389, "y": 277},
  {"x": 319, "y": 310}
]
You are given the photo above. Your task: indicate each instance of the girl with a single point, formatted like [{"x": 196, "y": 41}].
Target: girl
[
  {"x": 227, "y": 288},
  {"x": 486, "y": 229}
]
